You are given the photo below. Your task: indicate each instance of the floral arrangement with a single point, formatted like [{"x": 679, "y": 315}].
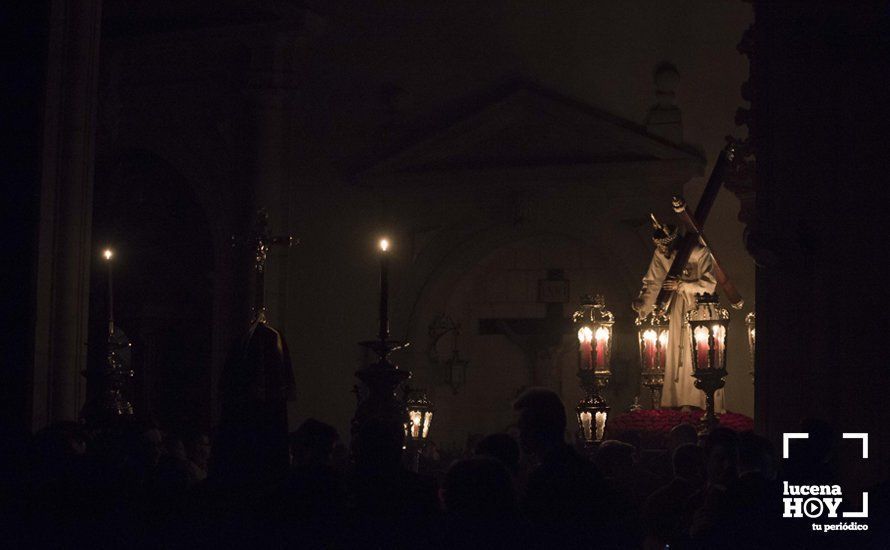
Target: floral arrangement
[{"x": 653, "y": 425}]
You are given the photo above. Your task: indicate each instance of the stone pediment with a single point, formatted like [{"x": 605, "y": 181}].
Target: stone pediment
[{"x": 530, "y": 132}]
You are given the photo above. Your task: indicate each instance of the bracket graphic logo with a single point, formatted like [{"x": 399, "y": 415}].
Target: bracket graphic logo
[{"x": 816, "y": 501}]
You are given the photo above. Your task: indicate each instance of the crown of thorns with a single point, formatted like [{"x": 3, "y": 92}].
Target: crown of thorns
[{"x": 663, "y": 234}]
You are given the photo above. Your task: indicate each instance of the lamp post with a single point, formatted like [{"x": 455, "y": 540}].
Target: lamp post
[
  {"x": 417, "y": 426},
  {"x": 750, "y": 322},
  {"x": 594, "y": 323},
  {"x": 653, "y": 332},
  {"x": 380, "y": 413},
  {"x": 708, "y": 324}
]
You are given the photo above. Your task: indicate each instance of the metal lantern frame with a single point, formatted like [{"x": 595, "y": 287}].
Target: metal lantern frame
[
  {"x": 653, "y": 337},
  {"x": 594, "y": 325},
  {"x": 708, "y": 325},
  {"x": 454, "y": 368},
  {"x": 592, "y": 413},
  {"x": 419, "y": 410}
]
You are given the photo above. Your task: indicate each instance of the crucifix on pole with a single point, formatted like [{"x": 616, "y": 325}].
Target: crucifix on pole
[
  {"x": 261, "y": 242},
  {"x": 257, "y": 380}
]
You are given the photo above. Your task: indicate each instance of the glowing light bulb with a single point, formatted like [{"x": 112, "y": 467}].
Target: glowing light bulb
[
  {"x": 107, "y": 253},
  {"x": 384, "y": 244},
  {"x": 585, "y": 335}
]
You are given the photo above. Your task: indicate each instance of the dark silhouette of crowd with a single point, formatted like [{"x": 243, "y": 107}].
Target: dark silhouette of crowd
[{"x": 132, "y": 485}]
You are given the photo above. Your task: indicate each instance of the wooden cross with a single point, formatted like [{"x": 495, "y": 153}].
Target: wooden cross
[
  {"x": 693, "y": 234},
  {"x": 693, "y": 226}
]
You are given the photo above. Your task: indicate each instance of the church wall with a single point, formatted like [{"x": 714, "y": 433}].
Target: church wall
[
  {"x": 605, "y": 58},
  {"x": 295, "y": 113}
]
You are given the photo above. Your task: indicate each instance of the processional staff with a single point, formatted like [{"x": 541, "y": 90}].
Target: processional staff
[{"x": 257, "y": 380}]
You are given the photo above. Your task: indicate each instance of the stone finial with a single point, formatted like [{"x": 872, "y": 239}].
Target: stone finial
[{"x": 665, "y": 119}]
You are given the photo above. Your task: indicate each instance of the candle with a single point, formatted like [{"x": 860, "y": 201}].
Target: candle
[
  {"x": 415, "y": 424},
  {"x": 718, "y": 333},
  {"x": 586, "y": 428},
  {"x": 384, "y": 289},
  {"x": 426, "y": 425},
  {"x": 585, "y": 337},
  {"x": 600, "y": 425},
  {"x": 701, "y": 346},
  {"x": 662, "y": 349},
  {"x": 108, "y": 254},
  {"x": 649, "y": 340},
  {"x": 602, "y": 339}
]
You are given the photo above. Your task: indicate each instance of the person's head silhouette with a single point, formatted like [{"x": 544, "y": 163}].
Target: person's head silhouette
[
  {"x": 615, "y": 458},
  {"x": 312, "y": 444},
  {"x": 542, "y": 420},
  {"x": 477, "y": 486},
  {"x": 502, "y": 447},
  {"x": 689, "y": 463}
]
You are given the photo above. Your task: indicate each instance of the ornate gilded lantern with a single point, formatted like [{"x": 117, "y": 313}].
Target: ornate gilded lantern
[
  {"x": 594, "y": 323},
  {"x": 420, "y": 416},
  {"x": 750, "y": 321},
  {"x": 592, "y": 414},
  {"x": 419, "y": 411},
  {"x": 707, "y": 328},
  {"x": 594, "y": 328},
  {"x": 653, "y": 333}
]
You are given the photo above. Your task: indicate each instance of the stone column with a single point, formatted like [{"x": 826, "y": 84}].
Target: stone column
[
  {"x": 64, "y": 227},
  {"x": 821, "y": 282}
]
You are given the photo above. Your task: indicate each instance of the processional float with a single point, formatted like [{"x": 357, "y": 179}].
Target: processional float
[{"x": 709, "y": 359}]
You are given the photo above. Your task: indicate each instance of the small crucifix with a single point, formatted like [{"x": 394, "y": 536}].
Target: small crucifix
[{"x": 261, "y": 241}]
